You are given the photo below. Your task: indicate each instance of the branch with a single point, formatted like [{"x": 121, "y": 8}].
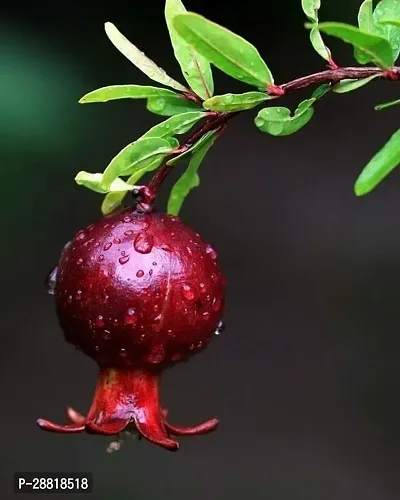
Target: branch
[
  {"x": 332, "y": 75},
  {"x": 218, "y": 120}
]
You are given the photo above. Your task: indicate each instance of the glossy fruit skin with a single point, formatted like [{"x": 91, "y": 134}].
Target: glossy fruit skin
[{"x": 139, "y": 290}]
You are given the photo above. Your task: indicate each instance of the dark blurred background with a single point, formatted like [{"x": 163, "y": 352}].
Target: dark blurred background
[{"x": 305, "y": 379}]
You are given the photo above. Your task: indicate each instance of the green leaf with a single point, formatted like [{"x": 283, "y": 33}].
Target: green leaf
[
  {"x": 235, "y": 102},
  {"x": 278, "y": 121},
  {"x": 94, "y": 182},
  {"x": 319, "y": 45},
  {"x": 228, "y": 52},
  {"x": 114, "y": 199},
  {"x": 137, "y": 155},
  {"x": 376, "y": 47},
  {"x": 114, "y": 92},
  {"x": 195, "y": 68},
  {"x": 395, "y": 22},
  {"x": 190, "y": 178},
  {"x": 365, "y": 17},
  {"x": 349, "y": 85},
  {"x": 385, "y": 105},
  {"x": 173, "y": 141},
  {"x": 170, "y": 106},
  {"x": 321, "y": 91},
  {"x": 178, "y": 124},
  {"x": 310, "y": 9},
  {"x": 192, "y": 149},
  {"x": 389, "y": 9},
  {"x": 139, "y": 59},
  {"x": 380, "y": 166}
]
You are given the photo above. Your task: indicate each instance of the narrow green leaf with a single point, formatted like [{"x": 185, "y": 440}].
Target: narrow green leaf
[
  {"x": 94, "y": 182},
  {"x": 375, "y": 46},
  {"x": 173, "y": 141},
  {"x": 349, "y": 85},
  {"x": 278, "y": 121},
  {"x": 138, "y": 154},
  {"x": 310, "y": 9},
  {"x": 321, "y": 91},
  {"x": 205, "y": 138},
  {"x": 170, "y": 106},
  {"x": 319, "y": 45},
  {"x": 366, "y": 24},
  {"x": 195, "y": 68},
  {"x": 113, "y": 92},
  {"x": 380, "y": 166},
  {"x": 139, "y": 59},
  {"x": 113, "y": 200},
  {"x": 389, "y": 9},
  {"x": 189, "y": 179},
  {"x": 228, "y": 52},
  {"x": 235, "y": 102},
  {"x": 385, "y": 105},
  {"x": 178, "y": 124},
  {"x": 365, "y": 17}
]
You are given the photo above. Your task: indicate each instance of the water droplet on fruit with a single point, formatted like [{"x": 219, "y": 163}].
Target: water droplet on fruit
[
  {"x": 69, "y": 299},
  {"x": 206, "y": 315},
  {"x": 78, "y": 295},
  {"x": 79, "y": 262},
  {"x": 211, "y": 252},
  {"x": 151, "y": 272},
  {"x": 216, "y": 305},
  {"x": 140, "y": 273},
  {"x": 188, "y": 292},
  {"x": 154, "y": 263},
  {"x": 123, "y": 260},
  {"x": 96, "y": 348},
  {"x": 123, "y": 353},
  {"x": 50, "y": 281},
  {"x": 99, "y": 321},
  {"x": 107, "y": 246},
  {"x": 97, "y": 244},
  {"x": 156, "y": 307},
  {"x": 81, "y": 235},
  {"x": 165, "y": 247},
  {"x": 106, "y": 335},
  {"x": 117, "y": 241},
  {"x": 100, "y": 258},
  {"x": 220, "y": 328},
  {"x": 143, "y": 243},
  {"x": 127, "y": 219},
  {"x": 130, "y": 316},
  {"x": 128, "y": 233}
]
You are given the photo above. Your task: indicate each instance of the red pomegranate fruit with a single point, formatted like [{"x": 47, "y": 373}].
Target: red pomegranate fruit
[{"x": 137, "y": 292}]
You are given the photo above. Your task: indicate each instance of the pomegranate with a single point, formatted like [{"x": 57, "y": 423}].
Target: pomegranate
[{"x": 138, "y": 292}]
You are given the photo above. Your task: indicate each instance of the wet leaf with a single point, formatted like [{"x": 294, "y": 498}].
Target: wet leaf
[
  {"x": 190, "y": 178},
  {"x": 195, "y": 68},
  {"x": 236, "y": 102},
  {"x": 139, "y": 59},
  {"x": 376, "y": 47},
  {"x": 278, "y": 121},
  {"x": 227, "y": 51},
  {"x": 114, "y": 92},
  {"x": 178, "y": 124},
  {"x": 134, "y": 156},
  {"x": 349, "y": 85},
  {"x": 389, "y": 9},
  {"x": 170, "y": 106},
  {"x": 380, "y": 166}
]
